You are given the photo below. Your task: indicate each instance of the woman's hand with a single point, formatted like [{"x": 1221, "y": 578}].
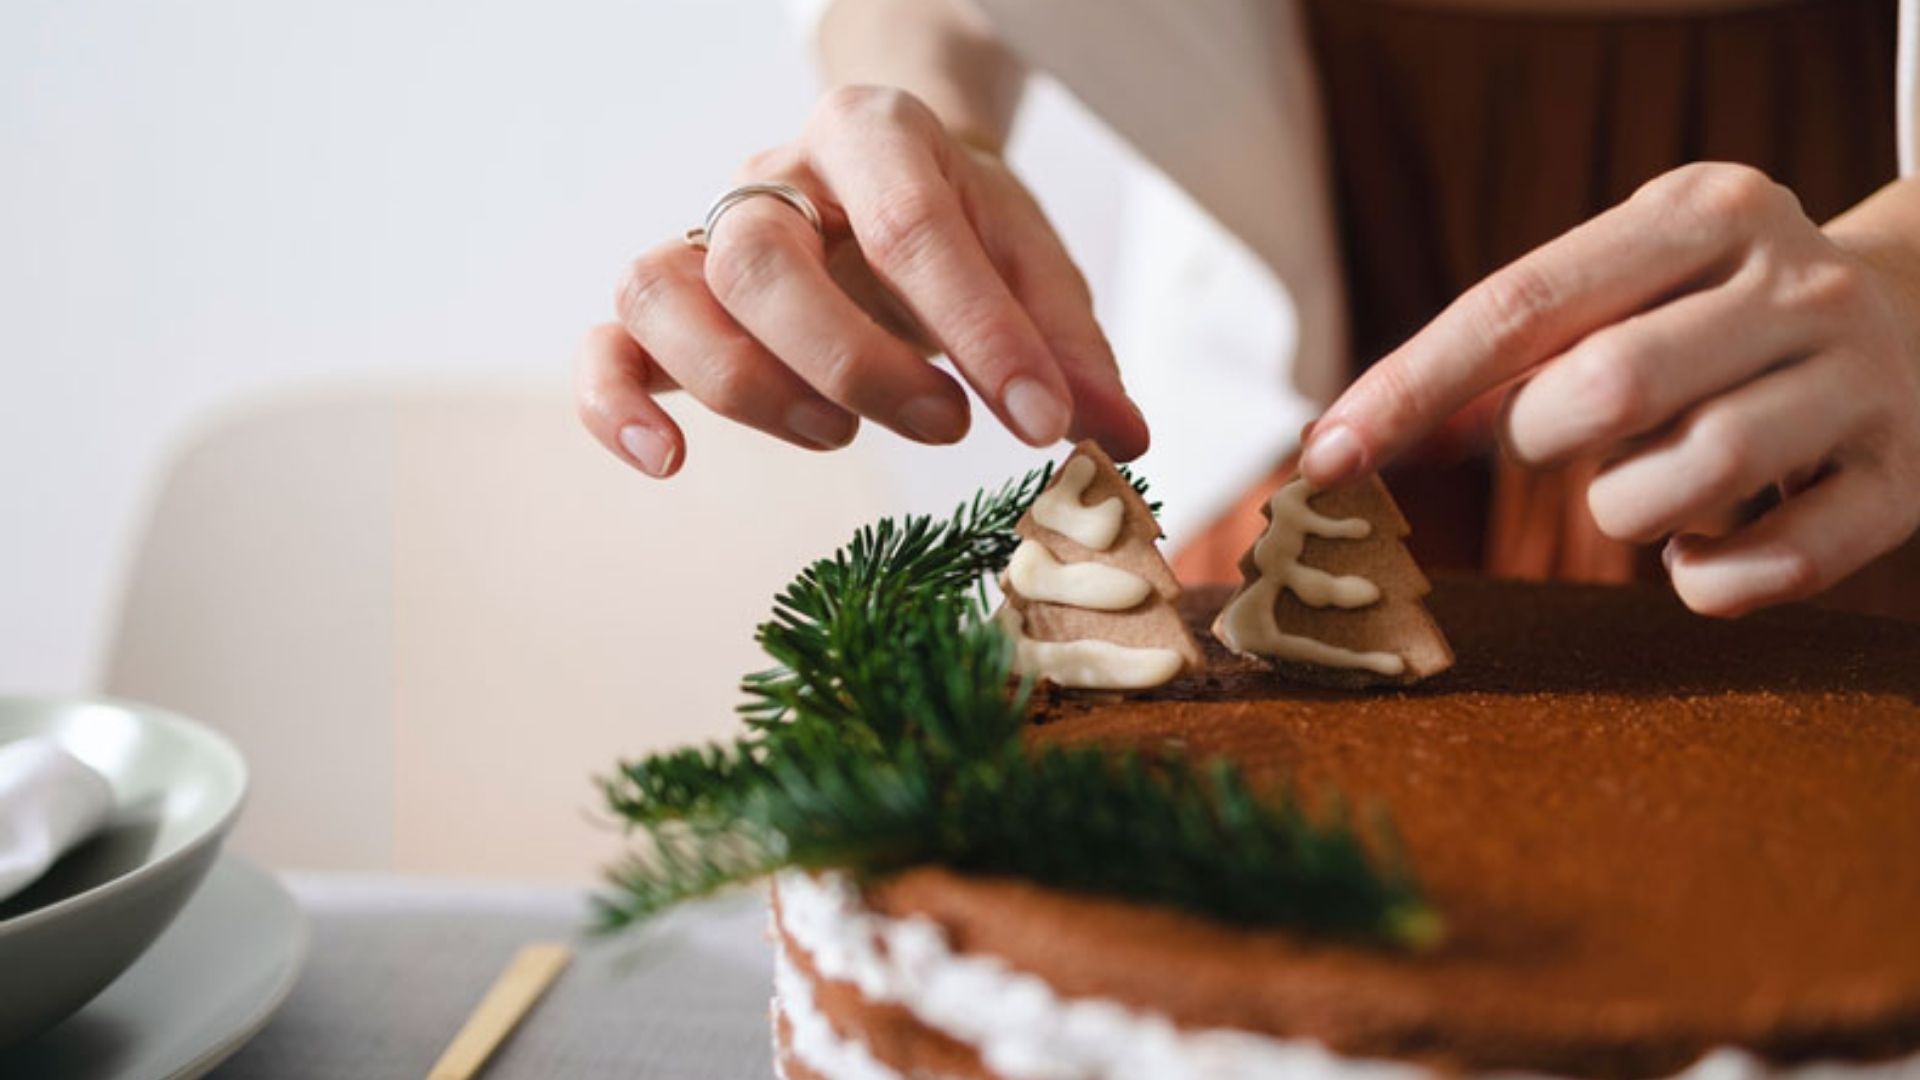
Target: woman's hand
[
  {"x": 931, "y": 246},
  {"x": 1707, "y": 341}
]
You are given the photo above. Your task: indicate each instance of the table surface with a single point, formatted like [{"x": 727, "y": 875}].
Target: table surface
[{"x": 396, "y": 965}]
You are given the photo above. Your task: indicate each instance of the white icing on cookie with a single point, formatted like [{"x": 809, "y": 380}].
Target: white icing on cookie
[
  {"x": 1248, "y": 625},
  {"x": 1089, "y": 664},
  {"x": 1035, "y": 574},
  {"x": 1059, "y": 508}
]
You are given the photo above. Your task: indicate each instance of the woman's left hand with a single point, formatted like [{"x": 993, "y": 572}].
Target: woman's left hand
[{"x": 1704, "y": 339}]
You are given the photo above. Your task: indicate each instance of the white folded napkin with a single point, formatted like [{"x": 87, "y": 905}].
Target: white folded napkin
[{"x": 49, "y": 801}]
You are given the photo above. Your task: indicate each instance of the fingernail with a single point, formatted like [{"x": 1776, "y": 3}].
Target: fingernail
[
  {"x": 820, "y": 425},
  {"x": 1038, "y": 416},
  {"x": 933, "y": 419},
  {"x": 1668, "y": 554},
  {"x": 1141, "y": 419},
  {"x": 1332, "y": 456},
  {"x": 654, "y": 451}
]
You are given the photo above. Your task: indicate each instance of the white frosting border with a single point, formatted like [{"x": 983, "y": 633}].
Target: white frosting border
[
  {"x": 1025, "y": 1031},
  {"x": 811, "y": 1037}
]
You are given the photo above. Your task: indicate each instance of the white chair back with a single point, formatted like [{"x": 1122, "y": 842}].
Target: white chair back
[{"x": 430, "y": 616}]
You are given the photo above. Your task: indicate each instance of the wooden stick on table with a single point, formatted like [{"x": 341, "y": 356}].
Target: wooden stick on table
[{"x": 512, "y": 995}]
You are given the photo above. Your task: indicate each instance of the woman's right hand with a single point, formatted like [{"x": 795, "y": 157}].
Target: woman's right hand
[{"x": 931, "y": 245}]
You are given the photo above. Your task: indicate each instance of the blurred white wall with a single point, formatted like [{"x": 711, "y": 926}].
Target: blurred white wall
[{"x": 206, "y": 200}]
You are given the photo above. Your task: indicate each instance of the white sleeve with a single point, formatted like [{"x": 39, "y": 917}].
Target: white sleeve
[
  {"x": 1907, "y": 80},
  {"x": 805, "y": 16},
  {"x": 1206, "y": 337}
]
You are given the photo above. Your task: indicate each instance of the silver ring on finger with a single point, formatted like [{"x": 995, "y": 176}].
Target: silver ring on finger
[{"x": 700, "y": 236}]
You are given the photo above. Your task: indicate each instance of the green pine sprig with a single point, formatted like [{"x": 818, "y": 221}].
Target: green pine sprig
[
  {"x": 900, "y": 595},
  {"x": 889, "y": 735}
]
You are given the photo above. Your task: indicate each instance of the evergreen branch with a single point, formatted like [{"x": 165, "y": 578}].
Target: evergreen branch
[
  {"x": 814, "y": 804},
  {"x": 1140, "y": 485},
  {"x": 683, "y": 783},
  {"x": 1164, "y": 832},
  {"x": 889, "y": 736},
  {"x": 1075, "y": 818},
  {"x": 835, "y": 628},
  {"x": 676, "y": 866}
]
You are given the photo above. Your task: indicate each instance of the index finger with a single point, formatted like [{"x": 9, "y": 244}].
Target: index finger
[
  {"x": 1668, "y": 235},
  {"x": 909, "y": 222}
]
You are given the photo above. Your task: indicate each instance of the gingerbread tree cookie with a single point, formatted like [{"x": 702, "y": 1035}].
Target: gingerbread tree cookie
[
  {"x": 1090, "y": 601},
  {"x": 1331, "y": 595}
]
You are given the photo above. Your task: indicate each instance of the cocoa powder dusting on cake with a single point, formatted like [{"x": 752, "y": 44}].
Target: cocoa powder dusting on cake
[{"x": 1651, "y": 835}]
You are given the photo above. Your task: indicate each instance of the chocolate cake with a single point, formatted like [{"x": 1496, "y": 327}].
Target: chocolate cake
[{"x": 1660, "y": 844}]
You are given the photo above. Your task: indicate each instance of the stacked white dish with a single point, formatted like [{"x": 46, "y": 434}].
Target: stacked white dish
[{"x": 176, "y": 789}]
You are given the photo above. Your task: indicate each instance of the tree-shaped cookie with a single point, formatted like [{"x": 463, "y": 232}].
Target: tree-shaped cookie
[
  {"x": 1331, "y": 595},
  {"x": 1090, "y": 601}
]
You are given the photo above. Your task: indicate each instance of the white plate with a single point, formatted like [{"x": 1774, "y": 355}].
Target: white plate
[
  {"x": 205, "y": 987},
  {"x": 177, "y": 787}
]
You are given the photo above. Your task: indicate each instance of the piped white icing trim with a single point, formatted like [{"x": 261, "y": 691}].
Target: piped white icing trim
[
  {"x": 1089, "y": 663},
  {"x": 1036, "y": 575},
  {"x": 1023, "y": 1030},
  {"x": 811, "y": 1037},
  {"x": 1059, "y": 508},
  {"x": 1248, "y": 625}
]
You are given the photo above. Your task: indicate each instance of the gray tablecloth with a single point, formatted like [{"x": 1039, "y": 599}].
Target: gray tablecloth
[{"x": 396, "y": 967}]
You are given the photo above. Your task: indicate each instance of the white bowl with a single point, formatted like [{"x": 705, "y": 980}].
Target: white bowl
[{"x": 177, "y": 787}]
